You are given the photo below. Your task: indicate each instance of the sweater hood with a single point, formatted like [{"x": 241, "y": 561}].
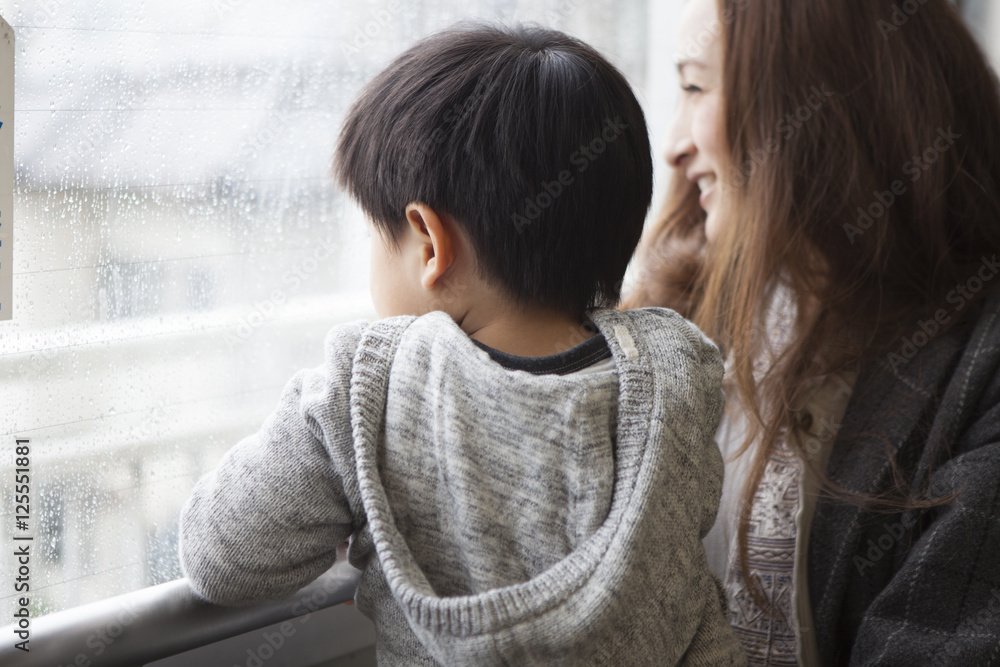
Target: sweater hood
[{"x": 600, "y": 595}]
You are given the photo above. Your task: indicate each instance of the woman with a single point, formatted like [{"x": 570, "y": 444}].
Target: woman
[{"x": 834, "y": 224}]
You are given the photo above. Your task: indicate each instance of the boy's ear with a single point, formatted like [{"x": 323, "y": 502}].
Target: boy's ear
[{"x": 437, "y": 237}]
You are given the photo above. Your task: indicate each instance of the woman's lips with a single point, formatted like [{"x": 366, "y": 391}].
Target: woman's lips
[{"x": 705, "y": 196}]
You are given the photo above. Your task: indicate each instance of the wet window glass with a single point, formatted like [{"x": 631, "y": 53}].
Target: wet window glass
[{"x": 180, "y": 250}]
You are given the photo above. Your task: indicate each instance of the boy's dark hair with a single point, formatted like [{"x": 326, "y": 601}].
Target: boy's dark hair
[{"x": 528, "y": 138}]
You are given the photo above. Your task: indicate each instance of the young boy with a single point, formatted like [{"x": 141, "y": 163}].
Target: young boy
[{"x": 513, "y": 496}]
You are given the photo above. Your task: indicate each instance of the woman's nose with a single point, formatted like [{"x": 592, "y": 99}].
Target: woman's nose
[{"x": 680, "y": 147}]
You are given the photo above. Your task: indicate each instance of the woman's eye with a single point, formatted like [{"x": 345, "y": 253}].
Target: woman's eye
[{"x": 691, "y": 89}]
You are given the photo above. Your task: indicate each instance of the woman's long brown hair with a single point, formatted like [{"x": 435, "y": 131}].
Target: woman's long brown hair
[{"x": 865, "y": 176}]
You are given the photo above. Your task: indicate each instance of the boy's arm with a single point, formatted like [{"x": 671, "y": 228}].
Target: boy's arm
[{"x": 269, "y": 519}]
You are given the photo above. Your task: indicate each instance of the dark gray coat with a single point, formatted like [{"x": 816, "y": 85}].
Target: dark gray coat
[{"x": 920, "y": 587}]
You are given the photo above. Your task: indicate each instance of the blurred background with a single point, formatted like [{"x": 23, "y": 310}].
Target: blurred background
[{"x": 180, "y": 248}]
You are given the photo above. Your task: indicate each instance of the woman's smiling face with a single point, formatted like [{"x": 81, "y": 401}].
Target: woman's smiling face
[{"x": 697, "y": 143}]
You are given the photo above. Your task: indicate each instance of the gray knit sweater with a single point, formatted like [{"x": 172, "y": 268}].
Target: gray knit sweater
[{"x": 498, "y": 517}]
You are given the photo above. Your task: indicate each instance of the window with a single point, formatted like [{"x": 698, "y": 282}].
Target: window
[
  {"x": 984, "y": 17},
  {"x": 180, "y": 249}
]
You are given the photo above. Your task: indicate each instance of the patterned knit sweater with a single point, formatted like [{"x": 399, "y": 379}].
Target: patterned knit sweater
[{"x": 498, "y": 517}]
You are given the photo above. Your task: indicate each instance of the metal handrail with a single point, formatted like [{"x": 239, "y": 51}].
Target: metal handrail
[{"x": 159, "y": 622}]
